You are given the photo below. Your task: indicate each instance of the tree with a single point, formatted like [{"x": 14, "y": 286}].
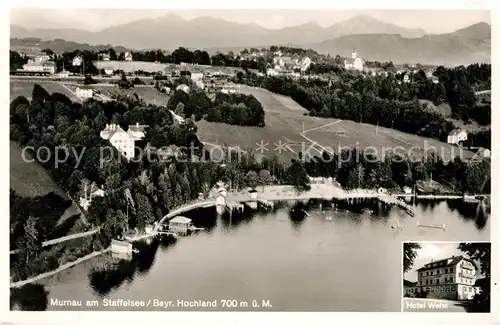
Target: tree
[
  {"x": 298, "y": 175},
  {"x": 145, "y": 213},
  {"x": 481, "y": 254},
  {"x": 410, "y": 252},
  {"x": 96, "y": 213},
  {"x": 356, "y": 177},
  {"x": 124, "y": 83},
  {"x": 265, "y": 178},
  {"x": 179, "y": 109},
  {"x": 33, "y": 240},
  {"x": 252, "y": 179},
  {"x": 89, "y": 80}
]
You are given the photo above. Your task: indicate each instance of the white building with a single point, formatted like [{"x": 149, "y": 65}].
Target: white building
[
  {"x": 77, "y": 61},
  {"x": 63, "y": 74},
  {"x": 108, "y": 71},
  {"x": 197, "y": 78},
  {"x": 128, "y": 56},
  {"x": 177, "y": 118},
  {"x": 40, "y": 66},
  {"x": 123, "y": 141},
  {"x": 105, "y": 57},
  {"x": 84, "y": 93},
  {"x": 42, "y": 58},
  {"x": 354, "y": 63},
  {"x": 456, "y": 136},
  {"x": 136, "y": 131},
  {"x": 305, "y": 63},
  {"x": 272, "y": 72},
  {"x": 407, "y": 190},
  {"x": 86, "y": 200},
  {"x": 184, "y": 88}
]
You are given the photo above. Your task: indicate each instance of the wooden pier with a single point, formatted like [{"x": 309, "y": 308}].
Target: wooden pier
[{"x": 389, "y": 199}]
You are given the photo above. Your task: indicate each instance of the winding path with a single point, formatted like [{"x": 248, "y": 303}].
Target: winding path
[
  {"x": 63, "y": 239},
  {"x": 302, "y": 134}
]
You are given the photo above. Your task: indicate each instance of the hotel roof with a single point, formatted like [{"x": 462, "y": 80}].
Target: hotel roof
[{"x": 450, "y": 261}]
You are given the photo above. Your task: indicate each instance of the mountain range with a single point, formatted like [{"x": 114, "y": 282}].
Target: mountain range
[{"x": 373, "y": 39}]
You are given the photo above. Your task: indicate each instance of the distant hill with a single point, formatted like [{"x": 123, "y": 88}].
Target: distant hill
[
  {"x": 171, "y": 31},
  {"x": 372, "y": 38},
  {"x": 59, "y": 45},
  {"x": 464, "y": 46}
]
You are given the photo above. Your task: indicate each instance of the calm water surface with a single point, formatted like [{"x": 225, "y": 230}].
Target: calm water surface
[{"x": 351, "y": 263}]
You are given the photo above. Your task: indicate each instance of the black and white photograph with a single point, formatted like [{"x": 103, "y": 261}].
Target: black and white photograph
[
  {"x": 447, "y": 277},
  {"x": 254, "y": 160}
]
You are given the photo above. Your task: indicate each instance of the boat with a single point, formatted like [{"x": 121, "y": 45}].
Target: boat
[{"x": 442, "y": 226}]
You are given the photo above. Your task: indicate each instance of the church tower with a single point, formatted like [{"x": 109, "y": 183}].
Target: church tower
[{"x": 354, "y": 53}]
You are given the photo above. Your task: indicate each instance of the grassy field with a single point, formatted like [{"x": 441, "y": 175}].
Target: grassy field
[
  {"x": 285, "y": 121},
  {"x": 29, "y": 179},
  {"x": 149, "y": 94},
  {"x": 25, "y": 88},
  {"x": 352, "y": 134}
]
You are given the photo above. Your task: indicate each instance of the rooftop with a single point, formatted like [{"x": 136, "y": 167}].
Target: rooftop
[
  {"x": 180, "y": 219},
  {"x": 349, "y": 61},
  {"x": 110, "y": 130},
  {"x": 450, "y": 261},
  {"x": 137, "y": 127},
  {"x": 457, "y": 131}
]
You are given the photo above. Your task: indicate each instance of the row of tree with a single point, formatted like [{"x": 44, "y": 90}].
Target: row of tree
[{"x": 235, "y": 109}]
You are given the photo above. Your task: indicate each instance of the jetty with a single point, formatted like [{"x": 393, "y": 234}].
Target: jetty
[{"x": 442, "y": 226}]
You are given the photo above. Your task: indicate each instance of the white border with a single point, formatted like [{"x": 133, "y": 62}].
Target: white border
[
  {"x": 252, "y": 317},
  {"x": 435, "y": 242}
]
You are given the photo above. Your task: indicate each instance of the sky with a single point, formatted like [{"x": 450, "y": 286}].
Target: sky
[
  {"x": 429, "y": 252},
  {"x": 432, "y": 21}
]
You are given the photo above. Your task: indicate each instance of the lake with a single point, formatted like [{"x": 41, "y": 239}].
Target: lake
[{"x": 268, "y": 261}]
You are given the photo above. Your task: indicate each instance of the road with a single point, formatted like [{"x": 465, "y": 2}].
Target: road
[{"x": 432, "y": 305}]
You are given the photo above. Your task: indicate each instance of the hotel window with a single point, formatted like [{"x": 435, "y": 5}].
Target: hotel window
[
  {"x": 452, "y": 289},
  {"x": 447, "y": 289},
  {"x": 430, "y": 281},
  {"x": 437, "y": 281},
  {"x": 437, "y": 272}
]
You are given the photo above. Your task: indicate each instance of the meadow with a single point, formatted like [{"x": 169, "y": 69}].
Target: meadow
[
  {"x": 148, "y": 94},
  {"x": 285, "y": 120},
  {"x": 24, "y": 88}
]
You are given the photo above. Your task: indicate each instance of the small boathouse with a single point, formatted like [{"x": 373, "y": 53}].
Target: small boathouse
[
  {"x": 121, "y": 246},
  {"x": 180, "y": 224}
]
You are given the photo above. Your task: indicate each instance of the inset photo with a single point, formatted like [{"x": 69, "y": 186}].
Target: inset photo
[{"x": 446, "y": 277}]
